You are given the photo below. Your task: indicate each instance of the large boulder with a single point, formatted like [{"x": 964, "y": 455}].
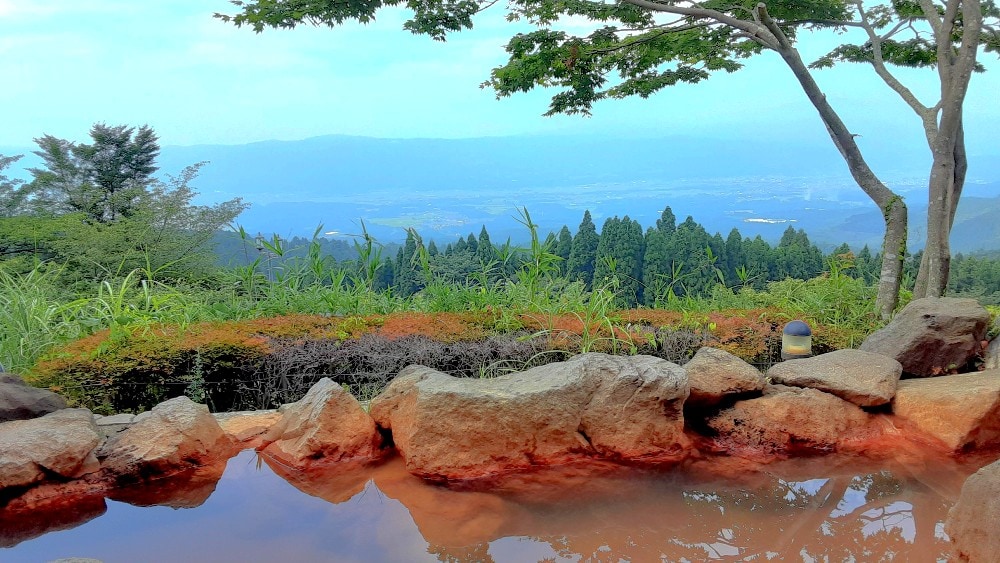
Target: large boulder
[
  {"x": 174, "y": 436},
  {"x": 60, "y": 445},
  {"x": 960, "y": 411},
  {"x": 19, "y": 401},
  {"x": 972, "y": 522},
  {"x": 593, "y": 405},
  {"x": 789, "y": 419},
  {"x": 715, "y": 374},
  {"x": 932, "y": 336},
  {"x": 863, "y": 378},
  {"x": 327, "y": 424}
]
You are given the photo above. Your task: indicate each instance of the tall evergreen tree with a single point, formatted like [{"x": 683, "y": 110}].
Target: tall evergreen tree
[
  {"x": 484, "y": 247},
  {"x": 583, "y": 251},
  {"x": 656, "y": 267},
  {"x": 407, "y": 279},
  {"x": 619, "y": 254},
  {"x": 667, "y": 223},
  {"x": 563, "y": 248},
  {"x": 735, "y": 261}
]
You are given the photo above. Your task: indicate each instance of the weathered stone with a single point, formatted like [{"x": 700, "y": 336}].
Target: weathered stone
[
  {"x": 863, "y": 378},
  {"x": 19, "y": 401},
  {"x": 327, "y": 424},
  {"x": 110, "y": 425},
  {"x": 175, "y": 435},
  {"x": 932, "y": 336},
  {"x": 972, "y": 522},
  {"x": 716, "y": 374},
  {"x": 61, "y": 443},
  {"x": 787, "y": 419},
  {"x": 594, "y": 405},
  {"x": 961, "y": 411},
  {"x": 247, "y": 427},
  {"x": 992, "y": 356}
]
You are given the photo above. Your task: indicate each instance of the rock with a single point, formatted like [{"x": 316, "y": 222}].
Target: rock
[
  {"x": 59, "y": 444},
  {"x": 972, "y": 522},
  {"x": 19, "y": 401},
  {"x": 932, "y": 336},
  {"x": 788, "y": 419},
  {"x": 961, "y": 411},
  {"x": 110, "y": 425},
  {"x": 594, "y": 405},
  {"x": 175, "y": 435},
  {"x": 716, "y": 374},
  {"x": 246, "y": 428},
  {"x": 992, "y": 357},
  {"x": 863, "y": 378},
  {"x": 327, "y": 424}
]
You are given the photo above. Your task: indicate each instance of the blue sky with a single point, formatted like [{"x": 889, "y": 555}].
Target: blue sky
[{"x": 169, "y": 63}]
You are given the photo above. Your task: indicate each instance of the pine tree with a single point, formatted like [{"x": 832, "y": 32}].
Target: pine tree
[
  {"x": 619, "y": 255},
  {"x": 484, "y": 249},
  {"x": 583, "y": 252},
  {"x": 667, "y": 223},
  {"x": 563, "y": 248}
]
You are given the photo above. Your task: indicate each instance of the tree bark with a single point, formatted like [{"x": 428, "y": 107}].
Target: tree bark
[
  {"x": 947, "y": 141},
  {"x": 891, "y": 204}
]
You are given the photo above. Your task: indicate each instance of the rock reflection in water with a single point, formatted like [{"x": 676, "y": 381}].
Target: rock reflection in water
[{"x": 828, "y": 508}]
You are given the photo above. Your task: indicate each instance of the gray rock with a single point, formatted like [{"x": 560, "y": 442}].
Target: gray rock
[
  {"x": 932, "y": 336},
  {"x": 960, "y": 411},
  {"x": 716, "y": 374},
  {"x": 972, "y": 521},
  {"x": 992, "y": 357},
  {"x": 594, "y": 405},
  {"x": 175, "y": 435},
  {"x": 19, "y": 401},
  {"x": 110, "y": 425},
  {"x": 863, "y": 378},
  {"x": 61, "y": 443}
]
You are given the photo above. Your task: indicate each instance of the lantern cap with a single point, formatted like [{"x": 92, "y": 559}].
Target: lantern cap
[{"x": 797, "y": 328}]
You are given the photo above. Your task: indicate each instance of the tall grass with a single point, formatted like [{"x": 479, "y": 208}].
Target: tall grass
[{"x": 36, "y": 314}]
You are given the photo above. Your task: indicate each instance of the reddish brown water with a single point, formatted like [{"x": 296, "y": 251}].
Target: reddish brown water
[{"x": 818, "y": 509}]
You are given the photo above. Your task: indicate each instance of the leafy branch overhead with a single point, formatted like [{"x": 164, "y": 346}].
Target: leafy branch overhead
[{"x": 638, "y": 47}]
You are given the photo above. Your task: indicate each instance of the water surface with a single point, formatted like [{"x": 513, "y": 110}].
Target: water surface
[{"x": 818, "y": 509}]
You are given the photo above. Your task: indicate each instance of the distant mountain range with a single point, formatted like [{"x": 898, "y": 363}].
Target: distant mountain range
[{"x": 449, "y": 188}]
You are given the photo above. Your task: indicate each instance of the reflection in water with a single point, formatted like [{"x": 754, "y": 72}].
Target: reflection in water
[{"x": 815, "y": 509}]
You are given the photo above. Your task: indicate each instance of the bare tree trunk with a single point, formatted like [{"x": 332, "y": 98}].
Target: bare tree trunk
[
  {"x": 891, "y": 204},
  {"x": 947, "y": 142}
]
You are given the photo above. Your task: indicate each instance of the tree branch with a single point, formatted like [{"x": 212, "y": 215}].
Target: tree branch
[
  {"x": 756, "y": 32},
  {"x": 878, "y": 63}
]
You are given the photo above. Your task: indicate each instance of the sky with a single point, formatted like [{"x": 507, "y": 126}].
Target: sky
[{"x": 196, "y": 80}]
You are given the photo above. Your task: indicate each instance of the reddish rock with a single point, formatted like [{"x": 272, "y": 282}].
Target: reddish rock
[
  {"x": 789, "y": 419},
  {"x": 932, "y": 336},
  {"x": 594, "y": 405},
  {"x": 972, "y": 522},
  {"x": 327, "y": 424},
  {"x": 20, "y": 401},
  {"x": 960, "y": 411},
  {"x": 716, "y": 374},
  {"x": 247, "y": 428},
  {"x": 59, "y": 444},
  {"x": 863, "y": 378},
  {"x": 174, "y": 436}
]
